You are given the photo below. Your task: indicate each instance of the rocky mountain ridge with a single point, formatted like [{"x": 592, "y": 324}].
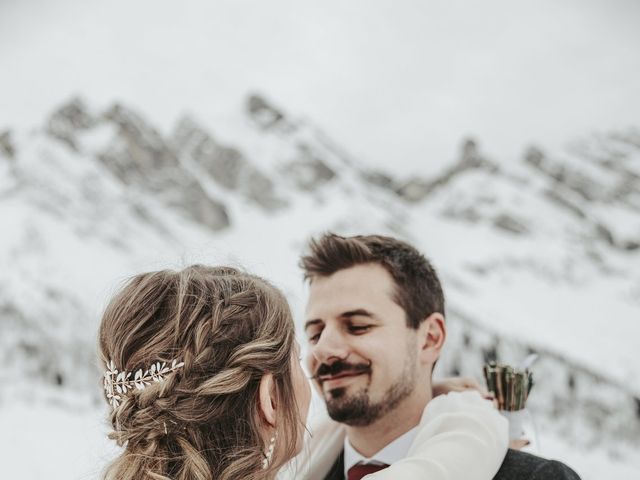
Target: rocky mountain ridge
[{"x": 93, "y": 196}]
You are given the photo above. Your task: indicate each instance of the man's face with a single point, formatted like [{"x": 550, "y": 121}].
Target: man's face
[{"x": 363, "y": 356}]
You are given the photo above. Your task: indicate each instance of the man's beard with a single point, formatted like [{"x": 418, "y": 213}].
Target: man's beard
[{"x": 357, "y": 409}]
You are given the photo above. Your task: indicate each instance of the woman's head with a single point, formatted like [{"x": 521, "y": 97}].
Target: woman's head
[{"x": 212, "y": 417}]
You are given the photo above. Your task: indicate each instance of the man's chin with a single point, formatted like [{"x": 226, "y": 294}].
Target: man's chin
[
  {"x": 348, "y": 408},
  {"x": 353, "y": 417},
  {"x": 334, "y": 394},
  {"x": 344, "y": 392},
  {"x": 354, "y": 407}
]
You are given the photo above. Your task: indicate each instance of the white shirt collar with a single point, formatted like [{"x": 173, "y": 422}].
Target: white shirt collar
[{"x": 393, "y": 452}]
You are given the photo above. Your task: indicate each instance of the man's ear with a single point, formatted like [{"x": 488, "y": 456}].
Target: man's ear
[
  {"x": 432, "y": 334},
  {"x": 267, "y": 399}
]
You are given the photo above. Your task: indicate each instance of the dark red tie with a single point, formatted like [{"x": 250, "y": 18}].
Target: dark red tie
[{"x": 359, "y": 470}]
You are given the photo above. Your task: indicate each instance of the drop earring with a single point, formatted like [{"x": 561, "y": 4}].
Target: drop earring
[{"x": 268, "y": 455}]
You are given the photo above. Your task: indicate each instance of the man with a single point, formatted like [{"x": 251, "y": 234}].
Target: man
[{"x": 375, "y": 327}]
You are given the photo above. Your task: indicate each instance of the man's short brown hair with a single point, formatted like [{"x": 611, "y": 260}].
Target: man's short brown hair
[{"x": 417, "y": 287}]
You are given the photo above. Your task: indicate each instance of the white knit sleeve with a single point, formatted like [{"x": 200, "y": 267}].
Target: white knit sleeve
[{"x": 461, "y": 437}]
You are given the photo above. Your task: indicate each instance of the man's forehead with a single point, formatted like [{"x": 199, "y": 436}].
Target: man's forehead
[
  {"x": 366, "y": 275},
  {"x": 358, "y": 287}
]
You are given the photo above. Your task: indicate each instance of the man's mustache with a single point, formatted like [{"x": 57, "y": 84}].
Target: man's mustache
[{"x": 325, "y": 371}]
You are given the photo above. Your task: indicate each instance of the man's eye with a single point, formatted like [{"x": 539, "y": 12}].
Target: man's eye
[
  {"x": 359, "y": 329},
  {"x": 314, "y": 338}
]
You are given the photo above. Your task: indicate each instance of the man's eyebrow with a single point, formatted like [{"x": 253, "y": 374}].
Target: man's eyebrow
[
  {"x": 360, "y": 312},
  {"x": 310, "y": 323}
]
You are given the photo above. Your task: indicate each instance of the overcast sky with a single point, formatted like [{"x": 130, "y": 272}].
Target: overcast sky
[{"x": 398, "y": 83}]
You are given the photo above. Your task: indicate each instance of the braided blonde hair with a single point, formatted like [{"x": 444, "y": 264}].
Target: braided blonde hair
[{"x": 203, "y": 421}]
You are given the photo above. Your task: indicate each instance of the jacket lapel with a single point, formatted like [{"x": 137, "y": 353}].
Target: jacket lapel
[{"x": 337, "y": 470}]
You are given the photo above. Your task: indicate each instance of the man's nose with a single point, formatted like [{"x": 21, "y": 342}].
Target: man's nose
[{"x": 331, "y": 346}]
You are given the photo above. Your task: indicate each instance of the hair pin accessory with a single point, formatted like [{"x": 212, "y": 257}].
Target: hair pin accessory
[{"x": 116, "y": 384}]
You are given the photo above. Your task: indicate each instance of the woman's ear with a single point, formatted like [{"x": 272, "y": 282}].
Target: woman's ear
[
  {"x": 432, "y": 334},
  {"x": 267, "y": 399}
]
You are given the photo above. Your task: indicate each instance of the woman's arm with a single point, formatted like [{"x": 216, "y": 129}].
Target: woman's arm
[{"x": 461, "y": 436}]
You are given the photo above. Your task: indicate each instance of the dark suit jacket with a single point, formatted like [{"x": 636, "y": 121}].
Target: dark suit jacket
[{"x": 516, "y": 466}]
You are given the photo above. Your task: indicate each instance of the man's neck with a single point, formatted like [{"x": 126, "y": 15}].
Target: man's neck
[{"x": 372, "y": 438}]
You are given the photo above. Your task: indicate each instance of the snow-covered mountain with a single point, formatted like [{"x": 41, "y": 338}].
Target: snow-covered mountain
[{"x": 537, "y": 254}]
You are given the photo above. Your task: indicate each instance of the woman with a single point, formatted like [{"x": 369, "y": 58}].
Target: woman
[{"x": 204, "y": 379}]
